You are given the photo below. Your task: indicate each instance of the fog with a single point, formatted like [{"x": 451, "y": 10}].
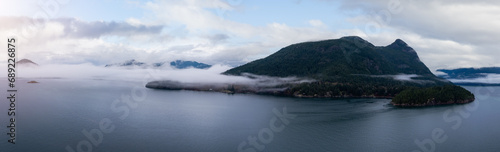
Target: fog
[
  {"x": 404, "y": 77},
  {"x": 190, "y": 75},
  {"x": 139, "y": 74}
]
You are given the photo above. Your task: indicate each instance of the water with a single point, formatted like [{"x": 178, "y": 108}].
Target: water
[{"x": 52, "y": 114}]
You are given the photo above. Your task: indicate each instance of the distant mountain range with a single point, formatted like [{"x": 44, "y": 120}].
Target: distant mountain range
[
  {"x": 469, "y": 76},
  {"x": 178, "y": 64}
]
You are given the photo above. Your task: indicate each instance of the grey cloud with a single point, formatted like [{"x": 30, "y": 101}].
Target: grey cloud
[
  {"x": 82, "y": 29},
  {"x": 95, "y": 29},
  {"x": 218, "y": 38}
]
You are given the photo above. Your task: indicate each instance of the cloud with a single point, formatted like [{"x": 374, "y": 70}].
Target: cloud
[
  {"x": 317, "y": 23},
  {"x": 446, "y": 34},
  {"x": 89, "y": 71},
  {"x": 142, "y": 75},
  {"x": 75, "y": 28},
  {"x": 95, "y": 29},
  {"x": 218, "y": 38},
  {"x": 188, "y": 30}
]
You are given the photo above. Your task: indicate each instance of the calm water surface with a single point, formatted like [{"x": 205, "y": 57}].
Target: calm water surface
[{"x": 55, "y": 113}]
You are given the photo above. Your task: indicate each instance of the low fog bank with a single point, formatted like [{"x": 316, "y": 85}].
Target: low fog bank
[
  {"x": 191, "y": 75},
  {"x": 268, "y": 81},
  {"x": 405, "y": 77}
]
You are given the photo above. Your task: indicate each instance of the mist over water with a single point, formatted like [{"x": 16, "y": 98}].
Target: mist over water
[
  {"x": 89, "y": 71},
  {"x": 53, "y": 113},
  {"x": 190, "y": 75}
]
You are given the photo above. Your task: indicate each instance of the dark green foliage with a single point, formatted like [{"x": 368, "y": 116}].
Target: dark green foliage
[
  {"x": 357, "y": 86},
  {"x": 434, "y": 95},
  {"x": 345, "y": 56}
]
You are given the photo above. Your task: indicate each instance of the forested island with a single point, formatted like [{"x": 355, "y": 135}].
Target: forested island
[{"x": 346, "y": 67}]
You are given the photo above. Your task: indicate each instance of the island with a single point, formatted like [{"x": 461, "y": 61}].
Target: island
[
  {"x": 33, "y": 81},
  {"x": 349, "y": 67},
  {"x": 26, "y": 63}
]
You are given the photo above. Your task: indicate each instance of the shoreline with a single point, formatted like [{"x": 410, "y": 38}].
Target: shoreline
[
  {"x": 244, "y": 89},
  {"x": 433, "y": 103},
  {"x": 278, "y": 91}
]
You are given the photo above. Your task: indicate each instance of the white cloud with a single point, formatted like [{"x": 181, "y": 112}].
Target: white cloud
[
  {"x": 317, "y": 23},
  {"x": 446, "y": 34}
]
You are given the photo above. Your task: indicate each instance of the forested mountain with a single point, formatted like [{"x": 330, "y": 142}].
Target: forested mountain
[
  {"x": 345, "y": 67},
  {"x": 337, "y": 57},
  {"x": 353, "y": 67}
]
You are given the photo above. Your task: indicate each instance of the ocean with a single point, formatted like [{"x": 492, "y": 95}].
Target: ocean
[{"x": 114, "y": 115}]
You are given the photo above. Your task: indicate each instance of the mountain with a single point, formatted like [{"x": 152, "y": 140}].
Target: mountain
[
  {"x": 338, "y": 57},
  {"x": 469, "y": 73},
  {"x": 179, "y": 64},
  {"x": 346, "y": 67},
  {"x": 26, "y": 62},
  {"x": 128, "y": 63}
]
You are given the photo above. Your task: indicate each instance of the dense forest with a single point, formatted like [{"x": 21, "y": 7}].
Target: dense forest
[
  {"x": 358, "y": 86},
  {"x": 438, "y": 95}
]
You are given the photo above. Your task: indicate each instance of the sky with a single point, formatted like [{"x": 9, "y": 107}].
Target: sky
[{"x": 445, "y": 33}]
